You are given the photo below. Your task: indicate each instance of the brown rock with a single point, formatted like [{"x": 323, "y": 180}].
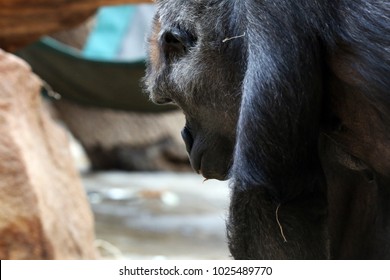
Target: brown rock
[{"x": 44, "y": 213}]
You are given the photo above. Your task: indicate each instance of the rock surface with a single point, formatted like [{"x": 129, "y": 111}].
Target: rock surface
[
  {"x": 124, "y": 140},
  {"x": 159, "y": 215},
  {"x": 44, "y": 213}
]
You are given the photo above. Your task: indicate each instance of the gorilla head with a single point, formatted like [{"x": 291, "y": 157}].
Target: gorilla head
[{"x": 192, "y": 67}]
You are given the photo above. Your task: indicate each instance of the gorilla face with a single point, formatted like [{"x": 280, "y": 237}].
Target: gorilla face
[{"x": 193, "y": 65}]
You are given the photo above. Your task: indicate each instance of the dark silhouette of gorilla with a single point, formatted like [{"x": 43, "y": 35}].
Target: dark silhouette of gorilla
[{"x": 291, "y": 100}]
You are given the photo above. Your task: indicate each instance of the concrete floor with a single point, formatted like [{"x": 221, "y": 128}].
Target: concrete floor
[{"x": 158, "y": 215}]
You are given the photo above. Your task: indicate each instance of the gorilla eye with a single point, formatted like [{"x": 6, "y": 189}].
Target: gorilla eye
[{"x": 175, "y": 42}]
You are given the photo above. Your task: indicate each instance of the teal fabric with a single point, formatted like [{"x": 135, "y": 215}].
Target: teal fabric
[{"x": 105, "y": 40}]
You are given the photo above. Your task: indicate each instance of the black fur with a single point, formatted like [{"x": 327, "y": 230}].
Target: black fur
[{"x": 300, "y": 91}]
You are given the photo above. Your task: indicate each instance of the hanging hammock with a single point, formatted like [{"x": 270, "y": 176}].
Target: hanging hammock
[{"x": 98, "y": 81}]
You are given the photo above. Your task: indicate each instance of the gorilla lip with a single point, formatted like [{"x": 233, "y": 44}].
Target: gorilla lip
[
  {"x": 196, "y": 156},
  {"x": 189, "y": 142},
  {"x": 188, "y": 138}
]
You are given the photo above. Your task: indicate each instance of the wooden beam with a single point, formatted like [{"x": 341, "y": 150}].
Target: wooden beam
[{"x": 22, "y": 22}]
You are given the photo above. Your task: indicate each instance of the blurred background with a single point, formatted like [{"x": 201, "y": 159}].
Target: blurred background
[{"x": 147, "y": 201}]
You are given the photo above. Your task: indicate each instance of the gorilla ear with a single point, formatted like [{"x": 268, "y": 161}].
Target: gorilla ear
[{"x": 175, "y": 42}]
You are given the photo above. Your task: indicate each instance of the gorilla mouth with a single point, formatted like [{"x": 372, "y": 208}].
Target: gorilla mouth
[
  {"x": 200, "y": 159},
  {"x": 188, "y": 138}
]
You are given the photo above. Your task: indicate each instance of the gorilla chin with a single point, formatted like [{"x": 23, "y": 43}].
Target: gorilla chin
[{"x": 212, "y": 161}]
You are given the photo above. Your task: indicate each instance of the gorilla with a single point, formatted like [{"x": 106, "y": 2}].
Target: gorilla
[{"x": 290, "y": 100}]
